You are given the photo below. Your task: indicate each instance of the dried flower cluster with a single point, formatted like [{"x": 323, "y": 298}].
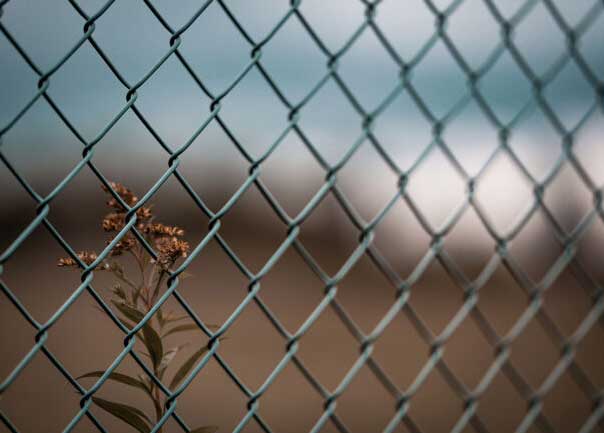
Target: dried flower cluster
[
  {"x": 166, "y": 238},
  {"x": 85, "y": 256},
  {"x": 133, "y": 301},
  {"x": 171, "y": 249}
]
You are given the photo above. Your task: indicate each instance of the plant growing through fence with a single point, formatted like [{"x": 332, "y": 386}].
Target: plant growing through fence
[{"x": 134, "y": 297}]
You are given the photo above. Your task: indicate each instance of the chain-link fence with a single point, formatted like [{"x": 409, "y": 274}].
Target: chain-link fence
[{"x": 400, "y": 400}]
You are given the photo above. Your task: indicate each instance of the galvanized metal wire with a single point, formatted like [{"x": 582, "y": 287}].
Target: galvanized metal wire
[{"x": 402, "y": 399}]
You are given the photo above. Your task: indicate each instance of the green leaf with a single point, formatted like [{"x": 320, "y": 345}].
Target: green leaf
[
  {"x": 119, "y": 292},
  {"x": 184, "y": 275},
  {"x": 187, "y": 327},
  {"x": 131, "y": 313},
  {"x": 147, "y": 384},
  {"x": 168, "y": 318},
  {"x": 118, "y": 377},
  {"x": 151, "y": 339},
  {"x": 184, "y": 369},
  {"x": 168, "y": 357},
  {"x": 130, "y": 415},
  {"x": 181, "y": 328},
  {"x": 154, "y": 345},
  {"x": 160, "y": 318},
  {"x": 205, "y": 429}
]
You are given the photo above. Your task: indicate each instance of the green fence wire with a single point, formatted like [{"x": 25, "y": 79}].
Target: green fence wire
[{"x": 534, "y": 290}]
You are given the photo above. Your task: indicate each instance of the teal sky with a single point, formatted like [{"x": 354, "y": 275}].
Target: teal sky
[{"x": 134, "y": 40}]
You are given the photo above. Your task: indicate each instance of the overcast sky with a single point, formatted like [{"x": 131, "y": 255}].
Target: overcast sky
[{"x": 134, "y": 40}]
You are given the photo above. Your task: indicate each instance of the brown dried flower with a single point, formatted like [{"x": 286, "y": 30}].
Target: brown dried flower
[
  {"x": 144, "y": 213},
  {"x": 113, "y": 222},
  {"x": 87, "y": 257},
  {"x": 171, "y": 249},
  {"x": 126, "y": 243},
  {"x": 128, "y": 196},
  {"x": 159, "y": 229}
]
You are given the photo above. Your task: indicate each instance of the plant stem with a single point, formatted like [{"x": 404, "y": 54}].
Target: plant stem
[{"x": 125, "y": 279}]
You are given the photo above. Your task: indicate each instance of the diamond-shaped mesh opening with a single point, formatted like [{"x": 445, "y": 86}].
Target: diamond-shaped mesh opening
[
  {"x": 473, "y": 14},
  {"x": 81, "y": 352},
  {"x": 303, "y": 402},
  {"x": 19, "y": 342},
  {"x": 22, "y": 398},
  {"x": 588, "y": 352},
  {"x": 436, "y": 205},
  {"x": 501, "y": 392},
  {"x": 590, "y": 38},
  {"x": 534, "y": 355},
  {"x": 439, "y": 80},
  {"x": 566, "y": 406},
  {"x": 470, "y": 253},
  {"x": 292, "y": 174},
  {"x": 587, "y": 245},
  {"x": 321, "y": 20},
  {"x": 349, "y": 217},
  {"x": 367, "y": 391},
  {"x": 534, "y": 133},
  {"x": 29, "y": 29},
  {"x": 366, "y": 294},
  {"x": 133, "y": 55},
  {"x": 210, "y": 389},
  {"x": 572, "y": 15},
  {"x": 513, "y": 193},
  {"x": 18, "y": 83},
  {"x": 571, "y": 95},
  {"x": 27, "y": 286},
  {"x": 407, "y": 27},
  {"x": 367, "y": 61},
  {"x": 322, "y": 120},
  {"x": 371, "y": 194},
  {"x": 341, "y": 235},
  {"x": 436, "y": 298},
  {"x": 505, "y": 101},
  {"x": 401, "y": 345},
  {"x": 586, "y": 149},
  {"x": 301, "y": 69},
  {"x": 119, "y": 151},
  {"x": 250, "y": 104},
  {"x": 245, "y": 216},
  {"x": 502, "y": 301},
  {"x": 258, "y": 338},
  {"x": 292, "y": 302},
  {"x": 218, "y": 64},
  {"x": 213, "y": 167},
  {"x": 537, "y": 54},
  {"x": 400, "y": 239},
  {"x": 437, "y": 390},
  {"x": 328, "y": 350},
  {"x": 536, "y": 264},
  {"x": 403, "y": 131},
  {"x": 457, "y": 356},
  {"x": 566, "y": 303},
  {"x": 20, "y": 142},
  {"x": 173, "y": 104},
  {"x": 471, "y": 138}
]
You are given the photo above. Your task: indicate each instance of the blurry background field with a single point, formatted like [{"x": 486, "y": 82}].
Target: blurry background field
[{"x": 43, "y": 150}]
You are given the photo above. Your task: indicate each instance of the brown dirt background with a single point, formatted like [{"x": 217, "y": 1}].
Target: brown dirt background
[{"x": 41, "y": 400}]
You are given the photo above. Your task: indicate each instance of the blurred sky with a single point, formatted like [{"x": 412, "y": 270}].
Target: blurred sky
[{"x": 90, "y": 96}]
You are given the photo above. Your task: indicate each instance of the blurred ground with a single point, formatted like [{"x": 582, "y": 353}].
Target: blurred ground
[{"x": 83, "y": 339}]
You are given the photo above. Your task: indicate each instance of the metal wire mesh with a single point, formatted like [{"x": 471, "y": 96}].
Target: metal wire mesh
[{"x": 470, "y": 310}]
